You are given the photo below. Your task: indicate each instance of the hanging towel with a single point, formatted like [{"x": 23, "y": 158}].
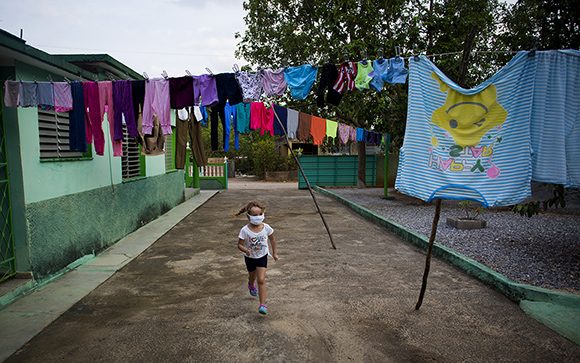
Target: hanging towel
[
  {"x": 471, "y": 144},
  {"x": 63, "y": 101},
  {"x": 331, "y": 128},
  {"x": 304, "y": 124},
  {"x": 300, "y": 80},
  {"x": 28, "y": 96},
  {"x": 292, "y": 123},
  {"x": 46, "y": 95},
  {"x": 555, "y": 123},
  {"x": 282, "y": 113},
  {"x": 11, "y": 91},
  {"x": 363, "y": 75},
  {"x": 380, "y": 71},
  {"x": 273, "y": 82},
  {"x": 318, "y": 129},
  {"x": 243, "y": 116}
]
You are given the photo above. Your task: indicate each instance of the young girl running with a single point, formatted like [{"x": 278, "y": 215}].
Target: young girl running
[{"x": 253, "y": 242}]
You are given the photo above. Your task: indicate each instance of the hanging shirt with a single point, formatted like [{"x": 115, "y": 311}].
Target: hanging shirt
[
  {"x": 304, "y": 124},
  {"x": 318, "y": 130},
  {"x": 468, "y": 144},
  {"x": 300, "y": 80},
  {"x": 282, "y": 113},
  {"x": 360, "y": 134},
  {"x": 380, "y": 71},
  {"x": 273, "y": 82},
  {"x": 346, "y": 77},
  {"x": 267, "y": 121},
  {"x": 257, "y": 110},
  {"x": 292, "y": 123},
  {"x": 344, "y": 133},
  {"x": 331, "y": 128},
  {"x": 363, "y": 75},
  {"x": 243, "y": 117},
  {"x": 397, "y": 73},
  {"x": 251, "y": 85}
]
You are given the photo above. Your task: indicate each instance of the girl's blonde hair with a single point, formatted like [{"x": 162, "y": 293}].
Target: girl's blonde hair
[{"x": 250, "y": 206}]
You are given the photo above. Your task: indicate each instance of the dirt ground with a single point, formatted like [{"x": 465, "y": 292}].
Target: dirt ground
[{"x": 185, "y": 299}]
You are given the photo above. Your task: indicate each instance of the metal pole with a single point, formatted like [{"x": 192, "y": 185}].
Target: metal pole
[
  {"x": 304, "y": 176},
  {"x": 386, "y": 179}
]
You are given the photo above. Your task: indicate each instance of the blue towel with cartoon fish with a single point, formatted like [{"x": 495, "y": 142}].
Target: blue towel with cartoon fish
[{"x": 468, "y": 144}]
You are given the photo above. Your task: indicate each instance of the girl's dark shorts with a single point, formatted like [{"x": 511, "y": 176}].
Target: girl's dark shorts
[{"x": 252, "y": 263}]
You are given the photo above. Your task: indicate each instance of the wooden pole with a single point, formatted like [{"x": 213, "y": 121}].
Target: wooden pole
[
  {"x": 304, "y": 176},
  {"x": 461, "y": 81}
]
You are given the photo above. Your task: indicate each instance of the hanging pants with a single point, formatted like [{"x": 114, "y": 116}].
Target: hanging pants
[{"x": 189, "y": 130}]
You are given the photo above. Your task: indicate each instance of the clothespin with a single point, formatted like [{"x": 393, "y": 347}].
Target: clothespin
[
  {"x": 164, "y": 74},
  {"x": 49, "y": 78},
  {"x": 68, "y": 80},
  {"x": 236, "y": 68},
  {"x": 346, "y": 55},
  {"x": 187, "y": 72},
  {"x": 398, "y": 51},
  {"x": 145, "y": 75},
  {"x": 381, "y": 52},
  {"x": 209, "y": 71}
]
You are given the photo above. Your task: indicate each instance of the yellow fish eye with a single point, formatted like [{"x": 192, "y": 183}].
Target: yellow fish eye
[{"x": 453, "y": 123}]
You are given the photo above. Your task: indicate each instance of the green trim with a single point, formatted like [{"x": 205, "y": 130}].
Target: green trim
[
  {"x": 134, "y": 179},
  {"x": 142, "y": 166},
  {"x": 84, "y": 158},
  {"x": 172, "y": 152}
]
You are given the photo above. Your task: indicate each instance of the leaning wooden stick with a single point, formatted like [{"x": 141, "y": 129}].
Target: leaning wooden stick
[
  {"x": 303, "y": 175},
  {"x": 429, "y": 252}
]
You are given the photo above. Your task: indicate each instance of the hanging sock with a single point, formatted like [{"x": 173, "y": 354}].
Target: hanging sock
[
  {"x": 292, "y": 123},
  {"x": 11, "y": 91},
  {"x": 300, "y": 80}
]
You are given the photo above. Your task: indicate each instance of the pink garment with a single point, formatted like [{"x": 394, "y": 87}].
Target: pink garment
[
  {"x": 267, "y": 121},
  {"x": 156, "y": 103},
  {"x": 106, "y": 103},
  {"x": 352, "y": 133},
  {"x": 93, "y": 129},
  {"x": 11, "y": 91},
  {"x": 257, "y": 111},
  {"x": 62, "y": 97},
  {"x": 344, "y": 133}
]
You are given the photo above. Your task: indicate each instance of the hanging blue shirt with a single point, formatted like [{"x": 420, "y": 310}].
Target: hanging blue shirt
[
  {"x": 468, "y": 144},
  {"x": 380, "y": 70},
  {"x": 300, "y": 80},
  {"x": 397, "y": 73},
  {"x": 360, "y": 134}
]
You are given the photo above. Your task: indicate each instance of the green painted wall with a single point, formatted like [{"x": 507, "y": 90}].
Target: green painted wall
[
  {"x": 335, "y": 170},
  {"x": 64, "y": 229}
]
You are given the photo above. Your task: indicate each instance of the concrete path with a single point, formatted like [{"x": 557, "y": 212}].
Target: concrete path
[{"x": 185, "y": 299}]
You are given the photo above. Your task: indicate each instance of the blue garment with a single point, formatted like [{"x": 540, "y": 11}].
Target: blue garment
[
  {"x": 300, "y": 80},
  {"x": 469, "y": 144},
  {"x": 243, "y": 117},
  {"x": 397, "y": 73},
  {"x": 77, "y": 137},
  {"x": 360, "y": 134},
  {"x": 28, "y": 95},
  {"x": 380, "y": 69},
  {"x": 282, "y": 113},
  {"x": 555, "y": 123},
  {"x": 46, "y": 95},
  {"x": 204, "y": 115},
  {"x": 231, "y": 117}
]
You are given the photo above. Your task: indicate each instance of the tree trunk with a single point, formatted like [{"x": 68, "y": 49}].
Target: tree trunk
[{"x": 362, "y": 163}]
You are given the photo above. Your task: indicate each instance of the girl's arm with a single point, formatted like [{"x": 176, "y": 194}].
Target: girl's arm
[
  {"x": 241, "y": 246},
  {"x": 273, "y": 243}
]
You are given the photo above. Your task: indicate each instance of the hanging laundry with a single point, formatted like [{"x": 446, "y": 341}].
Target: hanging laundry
[
  {"x": 181, "y": 92},
  {"x": 77, "y": 131},
  {"x": 282, "y": 113},
  {"x": 267, "y": 121},
  {"x": 11, "y": 91},
  {"x": 154, "y": 143},
  {"x": 257, "y": 110},
  {"x": 205, "y": 90},
  {"x": 380, "y": 72},
  {"x": 304, "y": 124},
  {"x": 28, "y": 96},
  {"x": 186, "y": 131},
  {"x": 300, "y": 80},
  {"x": 291, "y": 123},
  {"x": 363, "y": 75},
  {"x": 226, "y": 126},
  {"x": 123, "y": 104},
  {"x": 63, "y": 101},
  {"x": 344, "y": 133},
  {"x": 157, "y": 103},
  {"x": 228, "y": 89},
  {"x": 318, "y": 129},
  {"x": 397, "y": 73},
  {"x": 325, "y": 92},
  {"x": 45, "y": 95},
  {"x": 138, "y": 92},
  {"x": 331, "y": 128},
  {"x": 346, "y": 76},
  {"x": 273, "y": 82},
  {"x": 243, "y": 115},
  {"x": 217, "y": 113},
  {"x": 93, "y": 130},
  {"x": 469, "y": 144},
  {"x": 251, "y": 85},
  {"x": 352, "y": 133},
  {"x": 360, "y": 134},
  {"x": 106, "y": 106},
  {"x": 231, "y": 116},
  {"x": 555, "y": 120}
]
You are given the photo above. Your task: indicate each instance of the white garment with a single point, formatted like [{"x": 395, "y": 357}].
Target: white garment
[{"x": 256, "y": 243}]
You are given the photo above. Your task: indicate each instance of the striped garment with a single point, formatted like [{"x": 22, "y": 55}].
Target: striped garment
[
  {"x": 468, "y": 144},
  {"x": 555, "y": 124},
  {"x": 346, "y": 77}
]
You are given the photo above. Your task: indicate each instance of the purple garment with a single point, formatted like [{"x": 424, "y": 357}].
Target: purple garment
[
  {"x": 45, "y": 95},
  {"x": 273, "y": 82},
  {"x": 11, "y": 91},
  {"x": 181, "y": 92},
  {"x": 123, "y": 105},
  {"x": 352, "y": 133},
  {"x": 157, "y": 103},
  {"x": 63, "y": 101},
  {"x": 28, "y": 96},
  {"x": 344, "y": 133},
  {"x": 204, "y": 86}
]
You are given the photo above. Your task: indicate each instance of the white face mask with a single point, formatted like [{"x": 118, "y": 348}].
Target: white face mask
[{"x": 256, "y": 220}]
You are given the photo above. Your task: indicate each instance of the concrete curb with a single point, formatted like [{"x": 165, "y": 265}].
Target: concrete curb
[{"x": 513, "y": 290}]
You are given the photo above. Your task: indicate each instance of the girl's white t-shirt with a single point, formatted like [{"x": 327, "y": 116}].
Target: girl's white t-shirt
[{"x": 256, "y": 243}]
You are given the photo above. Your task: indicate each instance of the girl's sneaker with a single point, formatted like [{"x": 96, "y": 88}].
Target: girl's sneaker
[
  {"x": 263, "y": 309},
  {"x": 252, "y": 289}
]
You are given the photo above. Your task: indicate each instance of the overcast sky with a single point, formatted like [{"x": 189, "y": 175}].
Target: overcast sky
[{"x": 150, "y": 36}]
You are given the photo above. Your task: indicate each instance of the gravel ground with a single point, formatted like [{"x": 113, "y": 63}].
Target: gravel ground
[{"x": 543, "y": 251}]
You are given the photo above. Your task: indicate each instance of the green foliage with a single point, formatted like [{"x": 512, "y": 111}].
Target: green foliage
[
  {"x": 471, "y": 211},
  {"x": 533, "y": 208}
]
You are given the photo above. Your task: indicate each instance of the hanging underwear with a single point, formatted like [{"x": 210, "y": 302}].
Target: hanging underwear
[
  {"x": 251, "y": 85},
  {"x": 273, "y": 82},
  {"x": 204, "y": 87},
  {"x": 300, "y": 80}
]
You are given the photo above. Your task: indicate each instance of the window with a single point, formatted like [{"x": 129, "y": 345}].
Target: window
[
  {"x": 131, "y": 159},
  {"x": 169, "y": 158},
  {"x": 53, "y": 128}
]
